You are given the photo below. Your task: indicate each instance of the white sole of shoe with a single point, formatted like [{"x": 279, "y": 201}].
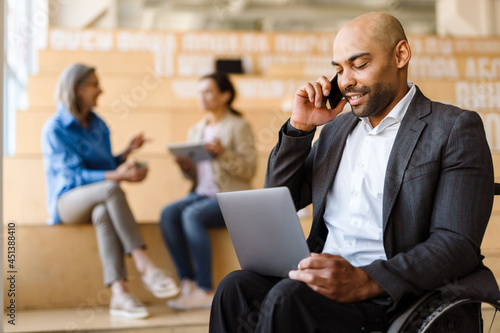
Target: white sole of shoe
[
  {"x": 186, "y": 308},
  {"x": 126, "y": 314},
  {"x": 167, "y": 293}
]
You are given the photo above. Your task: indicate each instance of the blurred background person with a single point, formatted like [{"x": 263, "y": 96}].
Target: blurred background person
[
  {"x": 229, "y": 139},
  {"x": 83, "y": 185}
]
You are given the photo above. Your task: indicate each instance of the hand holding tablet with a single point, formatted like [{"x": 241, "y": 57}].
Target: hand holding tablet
[{"x": 195, "y": 151}]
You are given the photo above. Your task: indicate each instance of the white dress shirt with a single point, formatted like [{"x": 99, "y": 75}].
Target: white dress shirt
[
  {"x": 206, "y": 184},
  {"x": 353, "y": 213}
]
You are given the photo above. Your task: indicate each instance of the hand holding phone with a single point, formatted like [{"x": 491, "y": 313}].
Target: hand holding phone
[
  {"x": 335, "y": 95},
  {"x": 141, "y": 165},
  {"x": 310, "y": 104}
]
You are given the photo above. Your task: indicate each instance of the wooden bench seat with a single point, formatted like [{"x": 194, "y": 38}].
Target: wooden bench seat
[
  {"x": 59, "y": 266},
  {"x": 54, "y": 62}
]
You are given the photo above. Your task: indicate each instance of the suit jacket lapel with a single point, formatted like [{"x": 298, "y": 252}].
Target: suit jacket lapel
[{"x": 404, "y": 144}]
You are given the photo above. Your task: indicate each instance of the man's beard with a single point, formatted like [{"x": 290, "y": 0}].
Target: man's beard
[{"x": 380, "y": 97}]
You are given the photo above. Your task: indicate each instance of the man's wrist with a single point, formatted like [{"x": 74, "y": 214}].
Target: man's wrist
[
  {"x": 302, "y": 127},
  {"x": 373, "y": 289},
  {"x": 296, "y": 132}
]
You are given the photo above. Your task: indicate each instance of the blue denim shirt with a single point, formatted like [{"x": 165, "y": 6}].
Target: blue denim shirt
[{"x": 73, "y": 155}]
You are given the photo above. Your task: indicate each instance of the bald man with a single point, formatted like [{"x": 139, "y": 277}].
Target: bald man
[{"x": 401, "y": 188}]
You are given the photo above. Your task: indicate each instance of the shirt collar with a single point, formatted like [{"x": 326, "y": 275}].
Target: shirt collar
[
  {"x": 63, "y": 113},
  {"x": 67, "y": 118},
  {"x": 222, "y": 119},
  {"x": 398, "y": 112}
]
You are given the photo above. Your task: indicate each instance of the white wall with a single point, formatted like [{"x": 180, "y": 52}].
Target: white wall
[
  {"x": 82, "y": 14},
  {"x": 467, "y": 18}
]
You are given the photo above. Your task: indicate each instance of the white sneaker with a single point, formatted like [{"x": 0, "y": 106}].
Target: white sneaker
[
  {"x": 193, "y": 298},
  {"x": 128, "y": 306},
  {"x": 160, "y": 284},
  {"x": 186, "y": 287}
]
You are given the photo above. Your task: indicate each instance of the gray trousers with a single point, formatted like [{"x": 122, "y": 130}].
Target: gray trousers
[{"x": 105, "y": 204}]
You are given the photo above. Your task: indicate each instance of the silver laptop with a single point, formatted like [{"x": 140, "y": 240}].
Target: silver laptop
[{"x": 265, "y": 230}]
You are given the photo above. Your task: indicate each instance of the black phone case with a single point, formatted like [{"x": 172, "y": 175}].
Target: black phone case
[{"x": 335, "y": 95}]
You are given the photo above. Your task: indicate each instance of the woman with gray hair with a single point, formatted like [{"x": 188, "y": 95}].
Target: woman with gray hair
[{"x": 83, "y": 185}]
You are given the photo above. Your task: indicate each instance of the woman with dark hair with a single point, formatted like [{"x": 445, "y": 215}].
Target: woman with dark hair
[
  {"x": 228, "y": 137},
  {"x": 83, "y": 185}
]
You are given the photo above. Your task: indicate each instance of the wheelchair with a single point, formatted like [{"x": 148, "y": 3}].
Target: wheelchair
[{"x": 433, "y": 314}]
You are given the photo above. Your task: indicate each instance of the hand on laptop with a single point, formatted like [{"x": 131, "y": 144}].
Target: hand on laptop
[{"x": 334, "y": 277}]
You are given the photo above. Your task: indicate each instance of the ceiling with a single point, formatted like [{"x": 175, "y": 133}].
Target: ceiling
[{"x": 418, "y": 16}]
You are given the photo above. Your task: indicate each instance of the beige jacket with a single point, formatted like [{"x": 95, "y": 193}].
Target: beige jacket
[{"x": 234, "y": 168}]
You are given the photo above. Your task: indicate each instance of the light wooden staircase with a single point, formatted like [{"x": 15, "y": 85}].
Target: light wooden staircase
[{"x": 58, "y": 280}]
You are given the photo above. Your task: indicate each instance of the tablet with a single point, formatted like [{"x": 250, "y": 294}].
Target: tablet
[
  {"x": 265, "y": 230},
  {"x": 196, "y": 151}
]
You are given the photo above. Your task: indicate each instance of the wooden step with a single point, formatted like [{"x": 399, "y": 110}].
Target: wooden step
[
  {"x": 161, "y": 320},
  {"x": 424, "y": 67},
  {"x": 59, "y": 266},
  {"x": 127, "y": 92},
  {"x": 95, "y": 319},
  {"x": 54, "y": 62},
  {"x": 24, "y": 178},
  {"x": 161, "y": 125},
  {"x": 123, "y": 92}
]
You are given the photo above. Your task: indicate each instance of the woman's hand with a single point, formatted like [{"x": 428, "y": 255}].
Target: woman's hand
[
  {"x": 128, "y": 171},
  {"x": 214, "y": 147},
  {"x": 185, "y": 163},
  {"x": 135, "y": 143}
]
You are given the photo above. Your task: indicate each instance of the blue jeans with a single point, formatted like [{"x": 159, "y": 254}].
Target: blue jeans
[{"x": 184, "y": 225}]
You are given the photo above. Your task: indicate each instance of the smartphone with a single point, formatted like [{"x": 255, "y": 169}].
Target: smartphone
[
  {"x": 140, "y": 165},
  {"x": 335, "y": 94}
]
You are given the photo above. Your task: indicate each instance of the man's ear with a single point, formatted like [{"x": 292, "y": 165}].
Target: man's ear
[{"x": 402, "y": 53}]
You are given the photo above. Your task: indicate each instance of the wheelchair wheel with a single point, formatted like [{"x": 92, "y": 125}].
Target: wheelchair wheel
[{"x": 463, "y": 315}]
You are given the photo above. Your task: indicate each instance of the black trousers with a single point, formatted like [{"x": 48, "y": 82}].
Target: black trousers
[{"x": 246, "y": 302}]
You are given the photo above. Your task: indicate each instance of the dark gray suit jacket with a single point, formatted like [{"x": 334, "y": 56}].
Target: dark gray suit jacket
[{"x": 438, "y": 196}]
